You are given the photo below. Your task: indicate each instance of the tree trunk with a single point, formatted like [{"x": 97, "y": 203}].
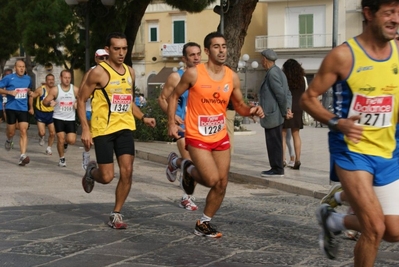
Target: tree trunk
[
  {"x": 132, "y": 26},
  {"x": 236, "y": 22}
]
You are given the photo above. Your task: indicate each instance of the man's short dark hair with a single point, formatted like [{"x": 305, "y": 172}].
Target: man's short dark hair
[
  {"x": 209, "y": 37},
  {"x": 189, "y": 44},
  {"x": 375, "y": 5},
  {"x": 48, "y": 75},
  {"x": 117, "y": 35}
]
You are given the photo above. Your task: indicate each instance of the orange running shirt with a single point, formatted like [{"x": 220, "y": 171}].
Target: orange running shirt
[{"x": 206, "y": 106}]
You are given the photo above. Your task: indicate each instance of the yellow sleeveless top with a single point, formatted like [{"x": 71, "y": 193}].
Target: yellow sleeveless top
[
  {"x": 206, "y": 106},
  {"x": 39, "y": 102},
  {"x": 374, "y": 85},
  {"x": 112, "y": 105}
]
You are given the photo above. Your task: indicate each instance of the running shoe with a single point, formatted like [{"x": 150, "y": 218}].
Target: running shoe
[
  {"x": 187, "y": 182},
  {"x": 327, "y": 241},
  {"x": 9, "y": 144},
  {"x": 206, "y": 229},
  {"x": 65, "y": 147},
  {"x": 48, "y": 151},
  {"x": 23, "y": 160},
  {"x": 87, "y": 180},
  {"x": 187, "y": 203},
  {"x": 86, "y": 159},
  {"x": 171, "y": 171},
  {"x": 41, "y": 141},
  {"x": 62, "y": 162},
  {"x": 329, "y": 198},
  {"x": 116, "y": 222}
]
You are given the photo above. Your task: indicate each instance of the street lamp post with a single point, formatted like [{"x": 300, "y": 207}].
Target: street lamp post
[
  {"x": 243, "y": 67},
  {"x": 106, "y": 3}
]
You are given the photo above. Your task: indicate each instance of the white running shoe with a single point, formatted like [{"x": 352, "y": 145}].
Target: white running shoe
[
  {"x": 86, "y": 159},
  {"x": 187, "y": 203},
  {"x": 41, "y": 141},
  {"x": 62, "y": 162},
  {"x": 48, "y": 151},
  {"x": 171, "y": 171}
]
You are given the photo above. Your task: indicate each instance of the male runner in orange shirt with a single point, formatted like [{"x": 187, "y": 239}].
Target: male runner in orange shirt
[{"x": 211, "y": 85}]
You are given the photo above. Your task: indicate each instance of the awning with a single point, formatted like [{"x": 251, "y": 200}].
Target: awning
[{"x": 160, "y": 77}]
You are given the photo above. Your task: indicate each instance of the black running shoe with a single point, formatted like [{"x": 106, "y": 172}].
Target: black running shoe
[
  {"x": 327, "y": 241},
  {"x": 206, "y": 229},
  {"x": 65, "y": 147},
  {"x": 187, "y": 183}
]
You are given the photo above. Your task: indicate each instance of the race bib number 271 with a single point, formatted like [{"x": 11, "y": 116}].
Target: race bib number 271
[{"x": 375, "y": 111}]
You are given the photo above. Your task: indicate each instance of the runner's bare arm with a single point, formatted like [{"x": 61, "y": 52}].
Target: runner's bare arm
[
  {"x": 167, "y": 89},
  {"x": 51, "y": 96},
  {"x": 187, "y": 80},
  {"x": 335, "y": 66},
  {"x": 238, "y": 101}
]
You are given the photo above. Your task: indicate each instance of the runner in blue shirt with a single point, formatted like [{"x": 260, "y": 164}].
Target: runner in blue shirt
[{"x": 16, "y": 87}]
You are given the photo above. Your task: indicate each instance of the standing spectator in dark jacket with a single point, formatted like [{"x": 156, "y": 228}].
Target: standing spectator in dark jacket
[
  {"x": 296, "y": 82},
  {"x": 275, "y": 99}
]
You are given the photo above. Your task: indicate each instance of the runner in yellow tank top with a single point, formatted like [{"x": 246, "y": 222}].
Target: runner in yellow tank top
[
  {"x": 365, "y": 79},
  {"x": 211, "y": 85},
  {"x": 112, "y": 122}
]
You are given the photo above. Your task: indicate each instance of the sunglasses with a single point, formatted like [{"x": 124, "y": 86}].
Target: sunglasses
[{"x": 102, "y": 58}]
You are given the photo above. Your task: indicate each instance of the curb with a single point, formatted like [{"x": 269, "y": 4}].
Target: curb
[{"x": 236, "y": 177}]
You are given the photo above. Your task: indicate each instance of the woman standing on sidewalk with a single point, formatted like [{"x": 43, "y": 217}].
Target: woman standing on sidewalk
[{"x": 296, "y": 82}]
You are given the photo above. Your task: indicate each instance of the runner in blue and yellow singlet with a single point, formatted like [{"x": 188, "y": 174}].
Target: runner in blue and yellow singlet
[
  {"x": 364, "y": 74},
  {"x": 43, "y": 114}
]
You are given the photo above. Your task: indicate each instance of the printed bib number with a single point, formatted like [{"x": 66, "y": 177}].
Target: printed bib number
[
  {"x": 209, "y": 125},
  {"x": 66, "y": 106},
  {"x": 21, "y": 93},
  {"x": 375, "y": 111},
  {"x": 121, "y": 102}
]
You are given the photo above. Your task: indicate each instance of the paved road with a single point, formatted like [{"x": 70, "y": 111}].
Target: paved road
[{"x": 47, "y": 220}]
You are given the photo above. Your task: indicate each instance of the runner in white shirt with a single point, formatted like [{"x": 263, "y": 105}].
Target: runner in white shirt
[{"x": 63, "y": 99}]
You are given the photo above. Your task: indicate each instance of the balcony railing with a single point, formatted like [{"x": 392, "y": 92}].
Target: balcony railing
[
  {"x": 300, "y": 41},
  {"x": 138, "y": 51}
]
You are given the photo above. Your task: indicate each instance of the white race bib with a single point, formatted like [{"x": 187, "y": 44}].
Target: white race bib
[
  {"x": 66, "y": 106},
  {"x": 121, "y": 102},
  {"x": 374, "y": 111},
  {"x": 209, "y": 125},
  {"x": 21, "y": 93}
]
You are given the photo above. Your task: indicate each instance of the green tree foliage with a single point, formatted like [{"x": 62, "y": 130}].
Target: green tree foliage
[
  {"x": 43, "y": 24},
  {"x": 9, "y": 37},
  {"x": 193, "y": 6}
]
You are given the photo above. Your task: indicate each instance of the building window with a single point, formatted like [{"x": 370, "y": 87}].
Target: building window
[
  {"x": 305, "y": 30},
  {"x": 305, "y": 27},
  {"x": 179, "y": 31},
  {"x": 153, "y": 32}
]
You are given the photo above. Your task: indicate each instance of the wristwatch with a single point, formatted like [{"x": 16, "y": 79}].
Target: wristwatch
[
  {"x": 333, "y": 124},
  {"x": 144, "y": 116}
]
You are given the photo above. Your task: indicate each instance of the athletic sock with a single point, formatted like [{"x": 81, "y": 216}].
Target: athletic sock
[
  {"x": 337, "y": 197},
  {"x": 174, "y": 163},
  {"x": 335, "y": 222},
  {"x": 205, "y": 218},
  {"x": 190, "y": 169}
]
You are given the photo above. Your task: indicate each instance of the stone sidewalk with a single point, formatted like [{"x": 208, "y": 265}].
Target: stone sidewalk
[{"x": 250, "y": 158}]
